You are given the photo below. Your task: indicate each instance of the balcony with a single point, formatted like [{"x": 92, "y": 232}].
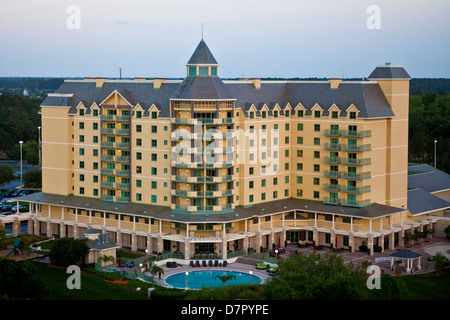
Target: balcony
[
  {"x": 356, "y": 162},
  {"x": 107, "y": 157},
  {"x": 107, "y": 184},
  {"x": 123, "y": 118},
  {"x": 334, "y": 201},
  {"x": 107, "y": 144},
  {"x": 122, "y": 199},
  {"x": 122, "y": 158},
  {"x": 123, "y": 186},
  {"x": 352, "y": 147},
  {"x": 123, "y": 145},
  {"x": 123, "y": 132},
  {"x": 123, "y": 172},
  {"x": 332, "y": 160},
  {"x": 331, "y": 146},
  {"x": 332, "y": 174},
  {"x": 332, "y": 133},
  {"x": 355, "y": 203},
  {"x": 356, "y": 134},
  {"x": 331, "y": 187},
  {"x": 107, "y": 117},
  {"x": 107, "y": 171},
  {"x": 107, "y": 130},
  {"x": 351, "y": 189},
  {"x": 355, "y": 175}
]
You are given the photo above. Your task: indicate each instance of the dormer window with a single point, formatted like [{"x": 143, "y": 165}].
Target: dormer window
[
  {"x": 214, "y": 71},
  {"x": 203, "y": 71},
  {"x": 192, "y": 71}
]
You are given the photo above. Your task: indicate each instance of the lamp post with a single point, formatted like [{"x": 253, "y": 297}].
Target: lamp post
[
  {"x": 187, "y": 274},
  {"x": 276, "y": 253},
  {"x": 435, "y": 141},
  {"x": 39, "y": 142},
  {"x": 21, "y": 142}
]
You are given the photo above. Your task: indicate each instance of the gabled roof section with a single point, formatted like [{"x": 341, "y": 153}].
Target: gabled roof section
[
  {"x": 202, "y": 55},
  {"x": 422, "y": 202}
]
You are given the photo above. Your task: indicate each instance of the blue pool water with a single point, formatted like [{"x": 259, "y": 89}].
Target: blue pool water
[{"x": 199, "y": 279}]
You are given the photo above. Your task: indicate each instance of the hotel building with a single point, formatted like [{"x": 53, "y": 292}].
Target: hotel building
[{"x": 202, "y": 164}]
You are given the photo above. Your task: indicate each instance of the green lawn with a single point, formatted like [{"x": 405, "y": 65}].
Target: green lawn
[
  {"x": 92, "y": 287},
  {"x": 431, "y": 287}
]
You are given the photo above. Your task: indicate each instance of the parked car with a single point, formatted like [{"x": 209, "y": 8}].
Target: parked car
[
  {"x": 7, "y": 213},
  {"x": 25, "y": 192},
  {"x": 6, "y": 207},
  {"x": 7, "y": 194}
]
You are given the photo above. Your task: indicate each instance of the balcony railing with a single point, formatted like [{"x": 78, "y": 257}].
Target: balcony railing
[
  {"x": 355, "y": 175},
  {"x": 107, "y": 144},
  {"x": 352, "y": 147},
  {"x": 122, "y": 145},
  {"x": 328, "y": 200},
  {"x": 331, "y": 187},
  {"x": 356, "y": 162},
  {"x": 332, "y": 133},
  {"x": 334, "y": 160},
  {"x": 331, "y": 146},
  {"x": 352, "y": 189},
  {"x": 332, "y": 174},
  {"x": 355, "y": 203},
  {"x": 356, "y": 134},
  {"x": 107, "y": 131},
  {"x": 123, "y": 132}
]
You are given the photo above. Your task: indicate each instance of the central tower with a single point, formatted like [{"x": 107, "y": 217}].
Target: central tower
[{"x": 202, "y": 163}]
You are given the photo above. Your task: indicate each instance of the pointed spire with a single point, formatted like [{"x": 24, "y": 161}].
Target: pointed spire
[{"x": 202, "y": 55}]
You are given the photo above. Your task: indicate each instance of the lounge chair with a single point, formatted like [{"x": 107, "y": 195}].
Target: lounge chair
[
  {"x": 216, "y": 263},
  {"x": 191, "y": 263},
  {"x": 204, "y": 263},
  {"x": 210, "y": 263},
  {"x": 197, "y": 263},
  {"x": 225, "y": 263}
]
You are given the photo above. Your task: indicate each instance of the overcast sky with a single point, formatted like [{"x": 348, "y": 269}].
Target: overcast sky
[{"x": 250, "y": 38}]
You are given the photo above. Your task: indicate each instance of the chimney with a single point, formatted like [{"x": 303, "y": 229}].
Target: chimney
[
  {"x": 99, "y": 82},
  {"x": 157, "y": 82},
  {"x": 257, "y": 83},
  {"x": 334, "y": 83}
]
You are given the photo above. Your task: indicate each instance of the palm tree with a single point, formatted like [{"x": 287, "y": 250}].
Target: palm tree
[
  {"x": 225, "y": 278},
  {"x": 154, "y": 270},
  {"x": 105, "y": 259}
]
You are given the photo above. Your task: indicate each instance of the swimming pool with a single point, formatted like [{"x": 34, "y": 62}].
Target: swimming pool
[{"x": 199, "y": 279}]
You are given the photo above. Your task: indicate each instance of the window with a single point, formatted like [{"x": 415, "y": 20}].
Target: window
[
  {"x": 334, "y": 114},
  {"x": 286, "y": 153},
  {"x": 139, "y": 183},
  {"x": 275, "y": 127},
  {"x": 317, "y": 141},
  {"x": 286, "y": 192},
  {"x": 263, "y": 196},
  {"x": 81, "y": 164},
  {"x": 95, "y": 165},
  {"x": 154, "y": 129},
  {"x": 299, "y": 193},
  {"x": 81, "y": 151},
  {"x": 275, "y": 194},
  {"x": 317, "y": 114},
  {"x": 286, "y": 126},
  {"x": 154, "y": 185},
  {"x": 299, "y": 166},
  {"x": 95, "y": 113},
  {"x": 138, "y": 114},
  {"x": 95, "y": 191},
  {"x": 263, "y": 182},
  {"x": 286, "y": 179},
  {"x": 214, "y": 71},
  {"x": 138, "y": 155},
  {"x": 275, "y": 181},
  {"x": 286, "y": 140},
  {"x": 300, "y": 113},
  {"x": 275, "y": 114},
  {"x": 299, "y": 179},
  {"x": 81, "y": 112},
  {"x": 95, "y": 139},
  {"x": 203, "y": 71},
  {"x": 250, "y": 198},
  {"x": 154, "y": 115},
  {"x": 81, "y": 138},
  {"x": 299, "y": 126},
  {"x": 286, "y": 166},
  {"x": 138, "y": 197},
  {"x": 316, "y": 181},
  {"x": 154, "y": 157},
  {"x": 264, "y": 114},
  {"x": 81, "y": 190},
  {"x": 154, "y": 171},
  {"x": 317, "y": 154},
  {"x": 352, "y": 115},
  {"x": 154, "y": 199},
  {"x": 251, "y": 170},
  {"x": 95, "y": 179},
  {"x": 317, "y": 127},
  {"x": 316, "y": 195},
  {"x": 81, "y": 177},
  {"x": 252, "y": 115},
  {"x": 154, "y": 143},
  {"x": 299, "y": 153},
  {"x": 299, "y": 140},
  {"x": 139, "y": 142},
  {"x": 138, "y": 128},
  {"x": 250, "y": 184},
  {"x": 138, "y": 169},
  {"x": 317, "y": 167},
  {"x": 192, "y": 71},
  {"x": 81, "y": 125}
]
